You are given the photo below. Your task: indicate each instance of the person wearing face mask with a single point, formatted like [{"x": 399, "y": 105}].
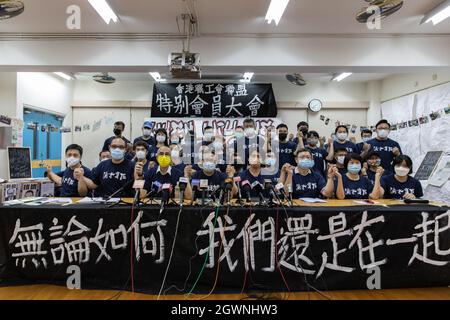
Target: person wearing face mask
[
  {"x": 254, "y": 173},
  {"x": 353, "y": 185},
  {"x": 320, "y": 155},
  {"x": 401, "y": 185},
  {"x": 387, "y": 148},
  {"x": 141, "y": 149},
  {"x": 251, "y": 142},
  {"x": 70, "y": 181},
  {"x": 305, "y": 182},
  {"x": 342, "y": 141},
  {"x": 111, "y": 175},
  {"x": 366, "y": 136},
  {"x": 162, "y": 174},
  {"x": 176, "y": 155},
  {"x": 371, "y": 166},
  {"x": 215, "y": 178},
  {"x": 119, "y": 127},
  {"x": 302, "y": 130},
  {"x": 161, "y": 138},
  {"x": 208, "y": 136},
  {"x": 270, "y": 169},
  {"x": 339, "y": 160},
  {"x": 282, "y": 147},
  {"x": 238, "y": 164},
  {"x": 104, "y": 155},
  {"x": 218, "y": 149},
  {"x": 147, "y": 134}
]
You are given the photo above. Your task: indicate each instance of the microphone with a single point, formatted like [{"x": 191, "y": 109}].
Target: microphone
[
  {"x": 228, "y": 188},
  {"x": 246, "y": 188},
  {"x": 236, "y": 181},
  {"x": 269, "y": 186},
  {"x": 290, "y": 194},
  {"x": 166, "y": 191},
  {"x": 154, "y": 191},
  {"x": 138, "y": 186},
  {"x": 280, "y": 188},
  {"x": 258, "y": 187},
  {"x": 195, "y": 184},
  {"x": 120, "y": 190},
  {"x": 203, "y": 186},
  {"x": 182, "y": 184}
]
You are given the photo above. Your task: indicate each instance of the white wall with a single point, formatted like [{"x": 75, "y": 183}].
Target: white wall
[
  {"x": 8, "y": 108},
  {"x": 398, "y": 85},
  {"x": 48, "y": 93},
  {"x": 89, "y": 90}
]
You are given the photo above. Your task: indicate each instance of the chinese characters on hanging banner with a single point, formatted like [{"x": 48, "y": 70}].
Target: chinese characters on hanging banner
[
  {"x": 213, "y": 100},
  {"x": 289, "y": 245}
]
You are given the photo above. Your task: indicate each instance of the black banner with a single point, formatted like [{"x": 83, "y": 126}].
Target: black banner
[
  {"x": 328, "y": 248},
  {"x": 218, "y": 100}
]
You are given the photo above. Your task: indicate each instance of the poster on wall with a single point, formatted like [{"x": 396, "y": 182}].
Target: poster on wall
[{"x": 218, "y": 100}]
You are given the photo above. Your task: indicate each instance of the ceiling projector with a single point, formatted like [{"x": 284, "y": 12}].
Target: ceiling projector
[
  {"x": 185, "y": 65},
  {"x": 387, "y": 8},
  {"x": 10, "y": 9}
]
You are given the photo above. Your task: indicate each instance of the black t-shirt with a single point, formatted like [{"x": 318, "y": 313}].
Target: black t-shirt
[
  {"x": 110, "y": 177},
  {"x": 69, "y": 185}
]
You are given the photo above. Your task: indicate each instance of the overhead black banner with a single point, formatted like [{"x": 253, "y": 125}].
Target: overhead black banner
[
  {"x": 328, "y": 248},
  {"x": 217, "y": 100}
]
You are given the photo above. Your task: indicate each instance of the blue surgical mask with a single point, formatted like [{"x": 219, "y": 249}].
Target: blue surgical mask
[
  {"x": 209, "y": 166},
  {"x": 354, "y": 168},
  {"x": 117, "y": 154},
  {"x": 306, "y": 164},
  {"x": 366, "y": 139}
]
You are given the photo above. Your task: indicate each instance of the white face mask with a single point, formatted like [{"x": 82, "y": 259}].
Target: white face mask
[
  {"x": 366, "y": 139},
  {"x": 401, "y": 171},
  {"x": 147, "y": 132},
  {"x": 341, "y": 159},
  {"x": 72, "y": 161},
  {"x": 383, "y": 133},
  {"x": 104, "y": 159},
  {"x": 250, "y": 132},
  {"x": 140, "y": 155},
  {"x": 342, "y": 136},
  {"x": 160, "y": 139},
  {"x": 208, "y": 136}
]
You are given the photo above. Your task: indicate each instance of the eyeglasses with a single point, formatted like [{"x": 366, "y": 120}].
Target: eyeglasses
[{"x": 164, "y": 154}]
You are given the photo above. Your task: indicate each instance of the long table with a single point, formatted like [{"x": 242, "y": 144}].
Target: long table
[{"x": 334, "y": 246}]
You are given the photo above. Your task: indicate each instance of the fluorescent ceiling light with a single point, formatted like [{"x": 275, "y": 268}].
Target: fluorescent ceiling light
[
  {"x": 247, "y": 77},
  {"x": 63, "y": 75},
  {"x": 438, "y": 14},
  {"x": 276, "y": 10},
  {"x": 157, "y": 76},
  {"x": 341, "y": 76},
  {"x": 104, "y": 10}
]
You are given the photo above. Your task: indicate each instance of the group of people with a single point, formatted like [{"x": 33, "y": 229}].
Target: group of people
[{"x": 305, "y": 166}]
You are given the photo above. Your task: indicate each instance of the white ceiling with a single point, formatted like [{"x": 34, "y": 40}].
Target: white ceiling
[
  {"x": 310, "y": 77},
  {"x": 223, "y": 17}
]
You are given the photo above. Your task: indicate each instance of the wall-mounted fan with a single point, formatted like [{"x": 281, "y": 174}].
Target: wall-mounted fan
[
  {"x": 10, "y": 8},
  {"x": 387, "y": 8},
  {"x": 296, "y": 79},
  {"x": 104, "y": 78}
]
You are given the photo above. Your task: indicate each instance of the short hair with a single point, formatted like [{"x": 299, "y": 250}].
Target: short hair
[
  {"x": 399, "y": 159},
  {"x": 302, "y": 123},
  {"x": 302, "y": 150},
  {"x": 119, "y": 123},
  {"x": 207, "y": 127},
  {"x": 366, "y": 131},
  {"x": 239, "y": 127},
  {"x": 249, "y": 120},
  {"x": 119, "y": 138},
  {"x": 312, "y": 133},
  {"x": 373, "y": 154},
  {"x": 340, "y": 126},
  {"x": 340, "y": 150},
  {"x": 100, "y": 153},
  {"x": 141, "y": 144},
  {"x": 382, "y": 121},
  {"x": 352, "y": 156},
  {"x": 282, "y": 125},
  {"x": 75, "y": 147}
]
